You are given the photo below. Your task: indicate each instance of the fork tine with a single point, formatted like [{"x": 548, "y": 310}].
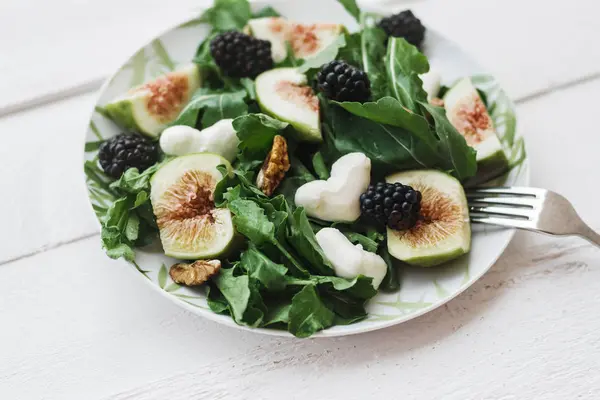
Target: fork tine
[
  {"x": 506, "y": 222},
  {"x": 504, "y": 211},
  {"x": 525, "y": 202},
  {"x": 516, "y": 191}
]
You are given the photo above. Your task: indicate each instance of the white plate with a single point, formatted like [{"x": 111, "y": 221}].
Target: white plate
[{"x": 422, "y": 289}]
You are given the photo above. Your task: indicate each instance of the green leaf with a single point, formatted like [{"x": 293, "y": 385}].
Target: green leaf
[
  {"x": 203, "y": 55},
  {"x": 266, "y": 12},
  {"x": 351, "y": 7},
  {"x": 242, "y": 296},
  {"x": 132, "y": 228},
  {"x": 121, "y": 251},
  {"x": 162, "y": 276},
  {"x": 94, "y": 174},
  {"x": 308, "y": 314},
  {"x": 215, "y": 299},
  {"x": 227, "y": 15},
  {"x": 278, "y": 314},
  {"x": 372, "y": 52},
  {"x": 248, "y": 85},
  {"x": 390, "y": 111},
  {"x": 347, "y": 310},
  {"x": 460, "y": 157},
  {"x": 319, "y": 166},
  {"x": 93, "y": 146},
  {"x": 140, "y": 199},
  {"x": 404, "y": 62},
  {"x": 367, "y": 243},
  {"x": 216, "y": 105},
  {"x": 304, "y": 242},
  {"x": 132, "y": 181},
  {"x": 360, "y": 287},
  {"x": 256, "y": 133},
  {"x": 391, "y": 281},
  {"x": 261, "y": 268},
  {"x": 250, "y": 220},
  {"x": 390, "y": 148},
  {"x": 352, "y": 52}
]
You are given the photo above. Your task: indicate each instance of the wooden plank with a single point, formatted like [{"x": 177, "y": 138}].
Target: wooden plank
[
  {"x": 78, "y": 326},
  {"x": 43, "y": 186},
  {"x": 530, "y": 45}
]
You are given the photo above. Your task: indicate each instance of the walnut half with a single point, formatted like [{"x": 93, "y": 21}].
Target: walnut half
[
  {"x": 196, "y": 273},
  {"x": 275, "y": 166}
]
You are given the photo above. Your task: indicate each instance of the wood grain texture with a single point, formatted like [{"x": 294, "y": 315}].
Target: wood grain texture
[
  {"x": 546, "y": 48},
  {"x": 526, "y": 330}
]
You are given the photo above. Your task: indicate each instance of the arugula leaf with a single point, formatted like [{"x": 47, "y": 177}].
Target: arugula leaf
[
  {"x": 278, "y": 314},
  {"x": 308, "y": 314},
  {"x": 267, "y": 11},
  {"x": 351, "y": 7},
  {"x": 250, "y": 220},
  {"x": 129, "y": 221},
  {"x": 319, "y": 166},
  {"x": 93, "y": 146},
  {"x": 367, "y": 243},
  {"x": 216, "y": 104},
  {"x": 460, "y": 157},
  {"x": 215, "y": 299},
  {"x": 390, "y": 148},
  {"x": 256, "y": 133},
  {"x": 373, "y": 51},
  {"x": 348, "y": 310},
  {"x": 227, "y": 15},
  {"x": 360, "y": 287},
  {"x": 248, "y": 85},
  {"x": 404, "y": 62},
  {"x": 352, "y": 53},
  {"x": 134, "y": 182},
  {"x": 261, "y": 268},
  {"x": 390, "y": 111},
  {"x": 203, "y": 55},
  {"x": 303, "y": 240},
  {"x": 243, "y": 298},
  {"x": 391, "y": 281}
]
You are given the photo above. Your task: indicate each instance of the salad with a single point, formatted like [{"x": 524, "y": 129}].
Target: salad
[{"x": 291, "y": 170}]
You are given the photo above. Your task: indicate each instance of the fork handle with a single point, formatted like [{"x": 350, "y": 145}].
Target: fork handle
[{"x": 590, "y": 235}]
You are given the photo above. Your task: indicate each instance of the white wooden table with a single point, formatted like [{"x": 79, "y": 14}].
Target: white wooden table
[{"x": 530, "y": 329}]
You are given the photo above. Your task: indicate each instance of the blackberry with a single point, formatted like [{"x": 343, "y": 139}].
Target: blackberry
[
  {"x": 392, "y": 204},
  {"x": 125, "y": 151},
  {"x": 239, "y": 55},
  {"x": 342, "y": 82},
  {"x": 404, "y": 25}
]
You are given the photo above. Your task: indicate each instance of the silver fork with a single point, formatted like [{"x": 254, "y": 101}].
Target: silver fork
[{"x": 537, "y": 210}]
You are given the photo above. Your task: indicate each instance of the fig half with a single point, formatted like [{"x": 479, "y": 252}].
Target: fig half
[
  {"x": 150, "y": 107},
  {"x": 283, "y": 93},
  {"x": 467, "y": 112},
  {"x": 444, "y": 232},
  {"x": 182, "y": 195}
]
